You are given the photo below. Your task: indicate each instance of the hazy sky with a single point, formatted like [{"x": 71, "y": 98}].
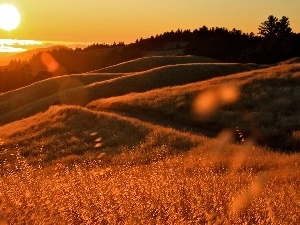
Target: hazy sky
[{"x": 126, "y": 20}]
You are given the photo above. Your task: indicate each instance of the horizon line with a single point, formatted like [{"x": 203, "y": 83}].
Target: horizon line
[{"x": 21, "y": 45}]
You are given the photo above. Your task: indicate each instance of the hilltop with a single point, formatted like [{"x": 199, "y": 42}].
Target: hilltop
[{"x": 147, "y": 63}]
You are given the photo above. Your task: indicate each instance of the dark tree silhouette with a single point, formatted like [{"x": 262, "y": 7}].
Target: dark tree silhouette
[
  {"x": 268, "y": 28},
  {"x": 275, "y": 28},
  {"x": 283, "y": 27},
  {"x": 278, "y": 42}
]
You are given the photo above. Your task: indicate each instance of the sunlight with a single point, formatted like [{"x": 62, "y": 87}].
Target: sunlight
[{"x": 9, "y": 17}]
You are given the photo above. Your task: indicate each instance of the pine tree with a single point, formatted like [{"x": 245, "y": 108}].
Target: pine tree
[
  {"x": 283, "y": 27},
  {"x": 274, "y": 27},
  {"x": 268, "y": 29}
]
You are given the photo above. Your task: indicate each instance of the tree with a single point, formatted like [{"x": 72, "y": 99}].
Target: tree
[
  {"x": 274, "y": 27},
  {"x": 283, "y": 27},
  {"x": 268, "y": 29}
]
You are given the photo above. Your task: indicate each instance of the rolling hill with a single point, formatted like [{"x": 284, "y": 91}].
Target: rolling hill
[
  {"x": 167, "y": 93},
  {"x": 25, "y": 101},
  {"x": 75, "y": 130},
  {"x": 157, "y": 140},
  {"x": 147, "y": 63},
  {"x": 261, "y": 92}
]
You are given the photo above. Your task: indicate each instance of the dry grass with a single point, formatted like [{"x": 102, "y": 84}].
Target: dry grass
[
  {"x": 291, "y": 61},
  {"x": 174, "y": 52},
  {"x": 73, "y": 91},
  {"x": 267, "y": 108},
  {"x": 162, "y": 77},
  {"x": 81, "y": 165},
  {"x": 198, "y": 187},
  {"x": 79, "y": 131},
  {"x": 21, "y": 97},
  {"x": 147, "y": 63}
]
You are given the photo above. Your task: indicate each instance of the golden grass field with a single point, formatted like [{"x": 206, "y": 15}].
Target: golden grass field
[{"x": 181, "y": 141}]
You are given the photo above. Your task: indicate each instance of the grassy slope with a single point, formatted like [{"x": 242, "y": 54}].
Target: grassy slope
[
  {"x": 174, "y": 52},
  {"x": 25, "y": 99},
  {"x": 291, "y": 61},
  {"x": 20, "y": 104},
  {"x": 147, "y": 63},
  {"x": 268, "y": 107},
  {"x": 145, "y": 176},
  {"x": 75, "y": 130},
  {"x": 54, "y": 170}
]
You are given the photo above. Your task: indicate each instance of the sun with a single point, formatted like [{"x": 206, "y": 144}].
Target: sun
[{"x": 9, "y": 17}]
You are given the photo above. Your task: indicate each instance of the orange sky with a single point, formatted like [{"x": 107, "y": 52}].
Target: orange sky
[{"x": 106, "y": 21}]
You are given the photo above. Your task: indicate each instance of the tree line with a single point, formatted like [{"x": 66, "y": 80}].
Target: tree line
[
  {"x": 21, "y": 73},
  {"x": 274, "y": 42}
]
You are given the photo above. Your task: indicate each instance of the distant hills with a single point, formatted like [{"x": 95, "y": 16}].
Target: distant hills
[{"x": 25, "y": 56}]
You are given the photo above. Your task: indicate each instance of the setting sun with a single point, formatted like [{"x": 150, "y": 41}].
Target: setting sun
[{"x": 9, "y": 17}]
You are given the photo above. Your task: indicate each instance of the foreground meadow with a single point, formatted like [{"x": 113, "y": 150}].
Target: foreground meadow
[
  {"x": 212, "y": 184},
  {"x": 182, "y": 144}
]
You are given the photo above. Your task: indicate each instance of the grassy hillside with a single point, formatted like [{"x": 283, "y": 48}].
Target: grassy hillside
[
  {"x": 91, "y": 166},
  {"x": 191, "y": 143},
  {"x": 174, "y": 52},
  {"x": 78, "y": 131},
  {"x": 147, "y": 63},
  {"x": 267, "y": 109},
  {"x": 291, "y": 61},
  {"x": 39, "y": 96},
  {"x": 71, "y": 89}
]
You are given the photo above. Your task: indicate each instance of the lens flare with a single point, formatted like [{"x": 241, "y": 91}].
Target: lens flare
[
  {"x": 48, "y": 60},
  {"x": 206, "y": 103},
  {"x": 228, "y": 94},
  {"x": 210, "y": 100}
]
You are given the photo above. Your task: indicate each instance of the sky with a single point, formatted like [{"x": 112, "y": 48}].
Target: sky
[{"x": 106, "y": 21}]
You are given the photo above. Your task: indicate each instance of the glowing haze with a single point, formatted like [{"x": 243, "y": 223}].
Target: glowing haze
[{"x": 107, "y": 21}]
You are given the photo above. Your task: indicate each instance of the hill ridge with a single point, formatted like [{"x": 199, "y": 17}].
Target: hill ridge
[
  {"x": 134, "y": 82},
  {"x": 150, "y": 62}
]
